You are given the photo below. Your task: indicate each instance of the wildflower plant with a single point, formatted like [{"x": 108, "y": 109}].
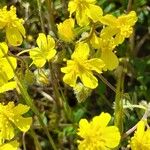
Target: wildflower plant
[{"x": 47, "y": 90}]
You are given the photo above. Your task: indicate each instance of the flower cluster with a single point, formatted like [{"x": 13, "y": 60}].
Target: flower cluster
[
  {"x": 113, "y": 33},
  {"x": 13, "y": 26},
  {"x": 91, "y": 52},
  {"x": 11, "y": 117}
]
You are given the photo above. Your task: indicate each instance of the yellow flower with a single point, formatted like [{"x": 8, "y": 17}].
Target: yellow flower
[
  {"x": 80, "y": 66},
  {"x": 105, "y": 48},
  {"x": 94, "y": 41},
  {"x": 10, "y": 116},
  {"x": 45, "y": 50},
  {"x": 10, "y": 146},
  {"x": 96, "y": 135},
  {"x": 141, "y": 138},
  {"x": 107, "y": 55},
  {"x": 85, "y": 10},
  {"x": 13, "y": 26},
  {"x": 6, "y": 71},
  {"x": 120, "y": 28},
  {"x": 65, "y": 30}
]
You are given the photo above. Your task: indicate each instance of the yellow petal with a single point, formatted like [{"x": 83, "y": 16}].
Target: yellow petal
[
  {"x": 6, "y": 66},
  {"x": 8, "y": 86},
  {"x": 70, "y": 78},
  {"x": 51, "y": 54},
  {"x": 10, "y": 146},
  {"x": 72, "y": 6},
  {"x": 84, "y": 126},
  {"x": 91, "y": 1},
  {"x": 109, "y": 32},
  {"x": 22, "y": 123},
  {"x": 95, "y": 41},
  {"x": 129, "y": 19},
  {"x": 140, "y": 128},
  {"x": 81, "y": 51},
  {"x": 110, "y": 60},
  {"x": 7, "y": 130},
  {"x": 20, "y": 109},
  {"x": 95, "y": 64},
  {"x": 50, "y": 42},
  {"x": 82, "y": 18},
  {"x": 38, "y": 59},
  {"x": 70, "y": 66},
  {"x": 94, "y": 12},
  {"x": 65, "y": 30},
  {"x": 42, "y": 42},
  {"x": 108, "y": 20},
  {"x": 103, "y": 117},
  {"x": 13, "y": 36},
  {"x": 111, "y": 136},
  {"x": 88, "y": 79},
  {"x": 21, "y": 28},
  {"x": 3, "y": 49}
]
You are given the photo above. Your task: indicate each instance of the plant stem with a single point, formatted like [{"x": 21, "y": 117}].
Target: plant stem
[
  {"x": 37, "y": 144},
  {"x": 55, "y": 89},
  {"x": 40, "y": 15},
  {"x": 129, "y": 6},
  {"x": 52, "y": 24},
  {"x": 118, "y": 100},
  {"x": 107, "y": 83}
]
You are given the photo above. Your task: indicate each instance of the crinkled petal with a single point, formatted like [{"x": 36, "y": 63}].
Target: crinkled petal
[{"x": 130, "y": 18}]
